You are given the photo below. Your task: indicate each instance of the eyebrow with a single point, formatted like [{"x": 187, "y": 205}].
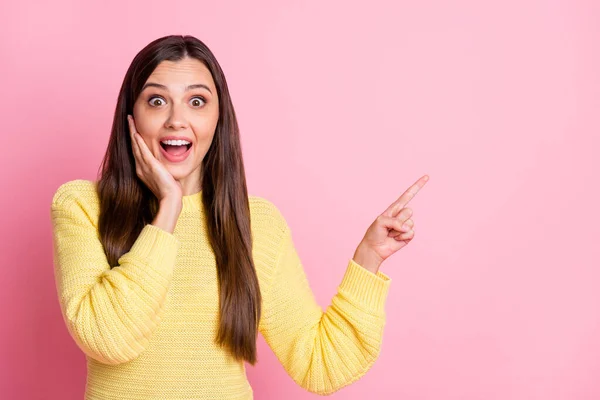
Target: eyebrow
[{"x": 190, "y": 87}]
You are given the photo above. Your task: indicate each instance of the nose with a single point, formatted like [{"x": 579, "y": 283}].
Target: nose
[{"x": 176, "y": 119}]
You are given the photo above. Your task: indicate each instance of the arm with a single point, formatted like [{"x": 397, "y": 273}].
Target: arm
[
  {"x": 110, "y": 313},
  {"x": 323, "y": 351}
]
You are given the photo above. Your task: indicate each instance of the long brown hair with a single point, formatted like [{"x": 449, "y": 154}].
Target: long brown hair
[{"x": 127, "y": 204}]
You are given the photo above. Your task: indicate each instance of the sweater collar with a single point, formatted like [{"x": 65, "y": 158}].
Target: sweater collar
[{"x": 192, "y": 201}]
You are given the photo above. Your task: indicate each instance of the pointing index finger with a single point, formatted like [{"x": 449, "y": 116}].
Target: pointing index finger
[{"x": 403, "y": 200}]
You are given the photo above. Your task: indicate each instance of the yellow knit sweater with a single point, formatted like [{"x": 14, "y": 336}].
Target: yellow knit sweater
[{"x": 147, "y": 326}]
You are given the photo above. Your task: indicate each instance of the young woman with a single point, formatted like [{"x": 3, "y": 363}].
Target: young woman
[{"x": 166, "y": 269}]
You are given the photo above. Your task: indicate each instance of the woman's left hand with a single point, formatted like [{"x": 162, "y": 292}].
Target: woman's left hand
[{"x": 391, "y": 231}]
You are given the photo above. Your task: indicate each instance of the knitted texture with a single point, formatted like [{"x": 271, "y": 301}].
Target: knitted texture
[{"x": 148, "y": 326}]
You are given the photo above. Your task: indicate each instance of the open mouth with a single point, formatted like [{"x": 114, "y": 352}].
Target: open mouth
[
  {"x": 175, "y": 153},
  {"x": 172, "y": 148}
]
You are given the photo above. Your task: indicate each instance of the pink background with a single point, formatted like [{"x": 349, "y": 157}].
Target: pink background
[{"x": 342, "y": 105}]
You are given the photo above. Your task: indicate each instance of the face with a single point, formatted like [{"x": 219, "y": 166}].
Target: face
[{"x": 168, "y": 107}]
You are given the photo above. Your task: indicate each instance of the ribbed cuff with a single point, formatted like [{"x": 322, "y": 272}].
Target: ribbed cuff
[
  {"x": 156, "y": 246},
  {"x": 367, "y": 288}
]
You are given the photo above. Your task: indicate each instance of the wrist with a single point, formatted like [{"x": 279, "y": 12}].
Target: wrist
[
  {"x": 168, "y": 214},
  {"x": 367, "y": 259},
  {"x": 171, "y": 203}
]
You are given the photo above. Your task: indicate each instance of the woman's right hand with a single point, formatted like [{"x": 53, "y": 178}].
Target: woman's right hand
[{"x": 150, "y": 170}]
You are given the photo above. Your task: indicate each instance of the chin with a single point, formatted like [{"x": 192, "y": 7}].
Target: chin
[
  {"x": 178, "y": 171},
  {"x": 178, "y": 175}
]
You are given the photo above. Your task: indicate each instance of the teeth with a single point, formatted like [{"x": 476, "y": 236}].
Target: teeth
[{"x": 176, "y": 142}]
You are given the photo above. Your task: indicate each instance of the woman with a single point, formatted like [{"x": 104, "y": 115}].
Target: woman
[{"x": 166, "y": 269}]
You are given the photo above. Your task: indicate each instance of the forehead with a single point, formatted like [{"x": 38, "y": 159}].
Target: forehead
[{"x": 178, "y": 74}]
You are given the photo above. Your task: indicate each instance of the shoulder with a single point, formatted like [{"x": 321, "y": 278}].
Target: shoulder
[
  {"x": 269, "y": 231},
  {"x": 71, "y": 190},
  {"x": 267, "y": 217},
  {"x": 77, "y": 196}
]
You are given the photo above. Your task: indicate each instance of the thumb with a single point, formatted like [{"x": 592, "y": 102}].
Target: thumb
[{"x": 393, "y": 223}]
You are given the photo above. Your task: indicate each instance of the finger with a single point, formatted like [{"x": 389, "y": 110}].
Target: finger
[
  {"x": 143, "y": 150},
  {"x": 403, "y": 216},
  {"x": 135, "y": 147},
  {"x": 399, "y": 204},
  {"x": 396, "y": 224},
  {"x": 406, "y": 227},
  {"x": 403, "y": 200},
  {"x": 132, "y": 128},
  {"x": 146, "y": 153},
  {"x": 405, "y": 236}
]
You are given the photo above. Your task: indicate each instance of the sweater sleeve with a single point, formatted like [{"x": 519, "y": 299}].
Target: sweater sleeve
[
  {"x": 110, "y": 313},
  {"x": 323, "y": 351}
]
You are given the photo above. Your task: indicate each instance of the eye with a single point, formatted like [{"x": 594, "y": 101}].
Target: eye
[
  {"x": 154, "y": 104},
  {"x": 196, "y": 99}
]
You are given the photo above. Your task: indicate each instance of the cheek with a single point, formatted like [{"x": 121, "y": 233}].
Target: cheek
[
  {"x": 207, "y": 121},
  {"x": 204, "y": 129},
  {"x": 148, "y": 126},
  {"x": 145, "y": 122},
  {"x": 149, "y": 129}
]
